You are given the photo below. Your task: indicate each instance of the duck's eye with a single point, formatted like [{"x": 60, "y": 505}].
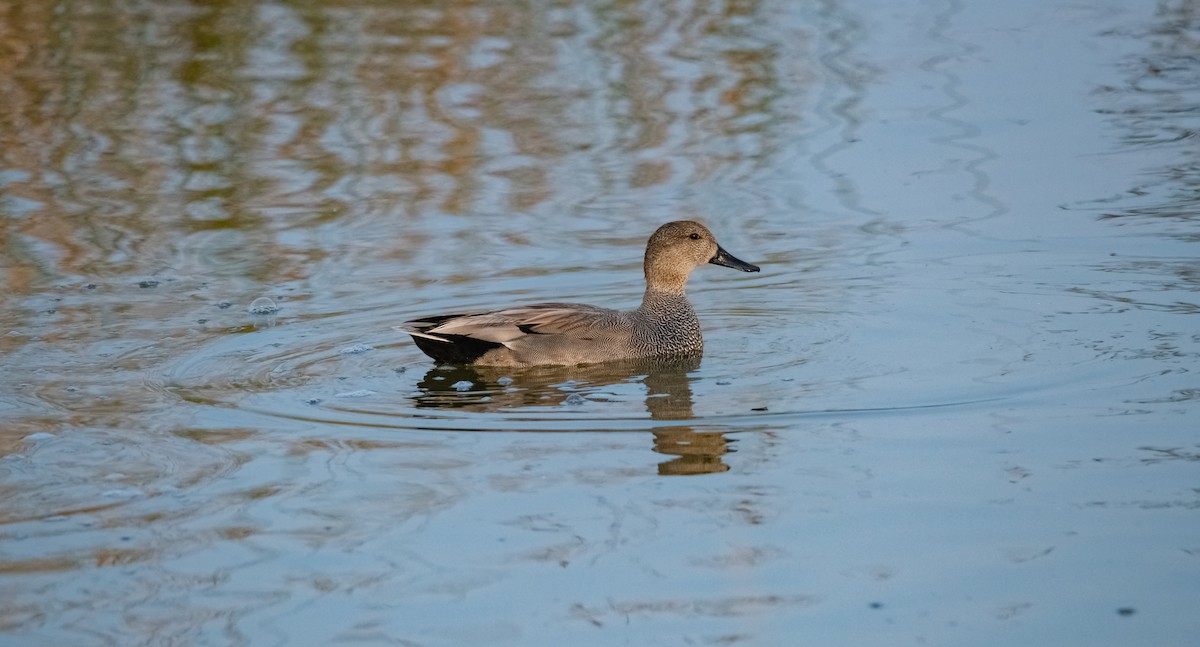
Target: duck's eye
[{"x": 694, "y": 236}]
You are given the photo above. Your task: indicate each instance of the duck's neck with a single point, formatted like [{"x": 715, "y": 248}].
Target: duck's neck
[
  {"x": 656, "y": 301},
  {"x": 660, "y": 280}
]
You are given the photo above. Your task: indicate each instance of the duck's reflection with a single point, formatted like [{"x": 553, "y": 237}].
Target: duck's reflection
[
  {"x": 696, "y": 452},
  {"x": 668, "y": 396}
]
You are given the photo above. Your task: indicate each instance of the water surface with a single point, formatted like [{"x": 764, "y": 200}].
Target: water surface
[{"x": 957, "y": 406}]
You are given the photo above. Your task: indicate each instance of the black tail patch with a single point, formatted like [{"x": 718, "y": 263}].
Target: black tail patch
[{"x": 457, "y": 349}]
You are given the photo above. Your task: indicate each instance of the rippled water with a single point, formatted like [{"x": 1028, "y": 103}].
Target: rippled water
[{"x": 957, "y": 406}]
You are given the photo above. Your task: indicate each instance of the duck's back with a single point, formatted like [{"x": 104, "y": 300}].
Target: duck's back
[{"x": 563, "y": 334}]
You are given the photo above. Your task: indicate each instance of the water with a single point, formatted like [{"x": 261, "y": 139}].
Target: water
[{"x": 958, "y": 405}]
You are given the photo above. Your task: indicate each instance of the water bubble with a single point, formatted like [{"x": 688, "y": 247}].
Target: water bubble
[
  {"x": 575, "y": 400},
  {"x": 361, "y": 393},
  {"x": 263, "y": 306},
  {"x": 41, "y": 435},
  {"x": 123, "y": 493},
  {"x": 463, "y": 385},
  {"x": 504, "y": 381},
  {"x": 355, "y": 349}
]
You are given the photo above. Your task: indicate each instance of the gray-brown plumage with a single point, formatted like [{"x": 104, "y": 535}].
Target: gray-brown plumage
[{"x": 566, "y": 334}]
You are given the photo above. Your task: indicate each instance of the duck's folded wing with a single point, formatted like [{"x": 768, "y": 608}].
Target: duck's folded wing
[{"x": 511, "y": 324}]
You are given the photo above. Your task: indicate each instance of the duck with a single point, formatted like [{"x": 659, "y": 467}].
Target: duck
[{"x": 664, "y": 326}]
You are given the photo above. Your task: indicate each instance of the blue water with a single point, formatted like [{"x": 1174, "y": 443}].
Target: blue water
[{"x": 956, "y": 407}]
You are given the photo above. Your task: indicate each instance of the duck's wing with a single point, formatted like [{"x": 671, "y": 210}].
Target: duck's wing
[{"x": 506, "y": 326}]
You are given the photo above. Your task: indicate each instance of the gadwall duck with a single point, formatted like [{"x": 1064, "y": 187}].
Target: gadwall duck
[{"x": 567, "y": 334}]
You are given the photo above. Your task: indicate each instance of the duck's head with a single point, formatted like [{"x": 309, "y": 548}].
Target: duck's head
[{"x": 679, "y": 247}]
